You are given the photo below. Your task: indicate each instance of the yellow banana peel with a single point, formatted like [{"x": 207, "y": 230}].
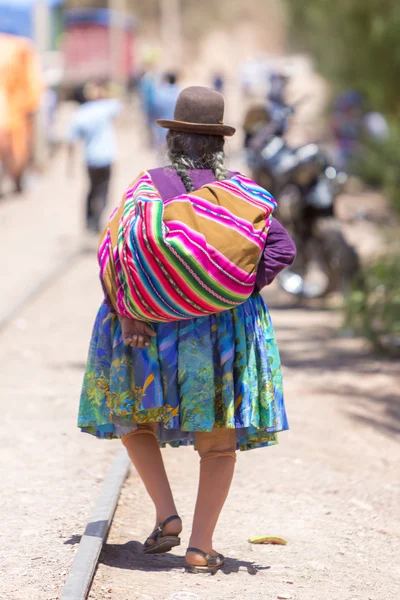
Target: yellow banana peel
[{"x": 268, "y": 540}]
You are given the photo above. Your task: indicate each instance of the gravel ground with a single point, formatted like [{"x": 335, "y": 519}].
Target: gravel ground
[
  {"x": 330, "y": 488},
  {"x": 51, "y": 473}
]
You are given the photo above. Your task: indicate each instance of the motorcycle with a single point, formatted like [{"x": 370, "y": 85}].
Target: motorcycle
[{"x": 306, "y": 187}]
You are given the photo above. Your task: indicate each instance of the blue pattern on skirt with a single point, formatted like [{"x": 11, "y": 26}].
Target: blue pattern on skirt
[{"x": 221, "y": 370}]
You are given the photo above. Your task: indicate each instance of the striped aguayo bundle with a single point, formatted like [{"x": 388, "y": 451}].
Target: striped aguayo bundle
[{"x": 190, "y": 256}]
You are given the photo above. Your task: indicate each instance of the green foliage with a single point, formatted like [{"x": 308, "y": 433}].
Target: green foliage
[
  {"x": 378, "y": 164},
  {"x": 355, "y": 43},
  {"x": 373, "y": 307}
]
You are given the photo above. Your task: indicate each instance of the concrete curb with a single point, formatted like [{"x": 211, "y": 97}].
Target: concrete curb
[{"x": 84, "y": 564}]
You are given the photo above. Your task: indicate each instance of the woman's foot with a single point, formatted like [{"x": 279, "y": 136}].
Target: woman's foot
[
  {"x": 164, "y": 537},
  {"x": 173, "y": 527},
  {"x": 198, "y": 561}
]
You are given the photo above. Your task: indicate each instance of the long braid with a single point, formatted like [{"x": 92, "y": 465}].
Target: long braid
[
  {"x": 194, "y": 151},
  {"x": 218, "y": 166},
  {"x": 178, "y": 163}
]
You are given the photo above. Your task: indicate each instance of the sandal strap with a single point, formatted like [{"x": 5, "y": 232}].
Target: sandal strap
[
  {"x": 173, "y": 518},
  {"x": 198, "y": 551},
  {"x": 153, "y": 536},
  {"x": 212, "y": 559},
  {"x": 156, "y": 534},
  {"x": 216, "y": 559}
]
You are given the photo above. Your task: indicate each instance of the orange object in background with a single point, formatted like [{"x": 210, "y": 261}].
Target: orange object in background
[{"x": 21, "y": 88}]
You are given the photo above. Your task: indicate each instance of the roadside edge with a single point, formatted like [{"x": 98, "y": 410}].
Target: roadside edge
[{"x": 83, "y": 567}]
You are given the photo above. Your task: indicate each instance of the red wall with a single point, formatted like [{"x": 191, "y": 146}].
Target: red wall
[{"x": 86, "y": 50}]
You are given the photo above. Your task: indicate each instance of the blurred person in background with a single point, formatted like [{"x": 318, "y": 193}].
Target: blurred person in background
[
  {"x": 218, "y": 83},
  {"x": 165, "y": 97},
  {"x": 21, "y": 87},
  {"x": 50, "y": 104},
  {"x": 93, "y": 124},
  {"x": 276, "y": 105},
  {"x": 277, "y": 87},
  {"x": 347, "y": 124},
  {"x": 207, "y": 378},
  {"x": 147, "y": 91},
  {"x": 261, "y": 120},
  {"x": 353, "y": 124}
]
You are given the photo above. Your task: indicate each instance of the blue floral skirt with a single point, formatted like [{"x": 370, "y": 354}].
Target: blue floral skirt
[{"x": 218, "y": 371}]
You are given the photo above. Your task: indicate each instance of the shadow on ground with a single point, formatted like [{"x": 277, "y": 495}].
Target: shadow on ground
[
  {"x": 373, "y": 409},
  {"x": 130, "y": 556},
  {"x": 73, "y": 540},
  {"x": 312, "y": 344},
  {"x": 323, "y": 348}
]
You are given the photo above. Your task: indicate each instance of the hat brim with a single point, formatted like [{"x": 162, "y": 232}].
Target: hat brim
[{"x": 201, "y": 128}]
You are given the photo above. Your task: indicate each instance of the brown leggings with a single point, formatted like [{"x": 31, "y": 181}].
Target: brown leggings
[{"x": 217, "y": 462}]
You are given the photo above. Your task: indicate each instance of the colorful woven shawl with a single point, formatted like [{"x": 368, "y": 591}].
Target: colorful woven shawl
[{"x": 189, "y": 256}]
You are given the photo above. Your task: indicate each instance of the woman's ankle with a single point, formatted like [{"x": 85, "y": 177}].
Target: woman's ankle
[
  {"x": 173, "y": 527},
  {"x": 194, "y": 558},
  {"x": 202, "y": 544}
]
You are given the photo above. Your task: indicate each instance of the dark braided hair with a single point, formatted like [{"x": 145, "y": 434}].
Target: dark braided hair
[{"x": 196, "y": 151}]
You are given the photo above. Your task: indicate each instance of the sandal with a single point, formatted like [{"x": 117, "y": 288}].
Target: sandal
[
  {"x": 162, "y": 543},
  {"x": 214, "y": 562}
]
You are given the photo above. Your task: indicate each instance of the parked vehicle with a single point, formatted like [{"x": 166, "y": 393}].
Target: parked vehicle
[
  {"x": 89, "y": 45},
  {"x": 306, "y": 187}
]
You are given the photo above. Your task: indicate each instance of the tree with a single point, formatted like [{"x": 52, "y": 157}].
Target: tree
[{"x": 355, "y": 43}]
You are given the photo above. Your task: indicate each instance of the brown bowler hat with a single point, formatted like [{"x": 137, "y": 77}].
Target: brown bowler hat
[{"x": 199, "y": 110}]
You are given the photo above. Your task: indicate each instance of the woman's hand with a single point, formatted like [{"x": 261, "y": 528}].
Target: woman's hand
[{"x": 136, "y": 334}]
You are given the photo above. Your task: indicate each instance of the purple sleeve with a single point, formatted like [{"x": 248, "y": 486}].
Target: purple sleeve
[{"x": 279, "y": 253}]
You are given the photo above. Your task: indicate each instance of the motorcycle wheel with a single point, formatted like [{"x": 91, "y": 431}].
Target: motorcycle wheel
[{"x": 325, "y": 263}]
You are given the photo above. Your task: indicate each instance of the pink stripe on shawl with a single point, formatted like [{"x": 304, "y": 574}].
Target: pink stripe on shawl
[
  {"x": 179, "y": 281},
  {"x": 224, "y": 217},
  {"x": 207, "y": 255},
  {"x": 167, "y": 284}
]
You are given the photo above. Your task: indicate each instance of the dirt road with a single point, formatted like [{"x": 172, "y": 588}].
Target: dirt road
[
  {"x": 331, "y": 488},
  {"x": 51, "y": 473}
]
